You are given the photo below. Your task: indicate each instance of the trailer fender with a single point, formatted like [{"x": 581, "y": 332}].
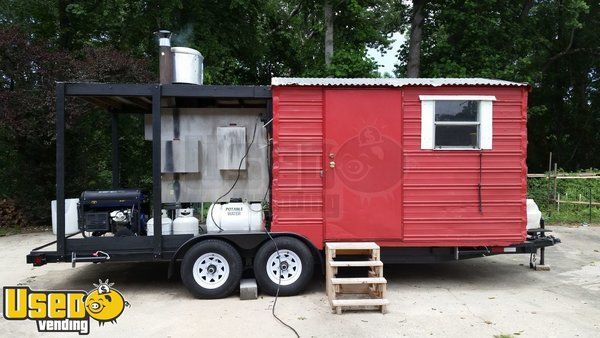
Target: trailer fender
[{"x": 247, "y": 243}]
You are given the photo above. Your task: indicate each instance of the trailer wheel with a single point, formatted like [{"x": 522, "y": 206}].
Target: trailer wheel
[
  {"x": 291, "y": 269},
  {"x": 211, "y": 269}
]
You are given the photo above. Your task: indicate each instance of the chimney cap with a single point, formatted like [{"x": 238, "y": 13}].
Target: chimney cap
[
  {"x": 164, "y": 38},
  {"x": 163, "y": 33}
]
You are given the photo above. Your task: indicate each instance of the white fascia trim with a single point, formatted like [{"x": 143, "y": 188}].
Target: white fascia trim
[{"x": 457, "y": 97}]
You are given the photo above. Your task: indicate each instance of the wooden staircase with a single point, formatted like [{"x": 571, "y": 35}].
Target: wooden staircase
[{"x": 355, "y": 292}]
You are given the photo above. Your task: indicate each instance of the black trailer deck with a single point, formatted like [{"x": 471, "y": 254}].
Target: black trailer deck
[{"x": 139, "y": 248}]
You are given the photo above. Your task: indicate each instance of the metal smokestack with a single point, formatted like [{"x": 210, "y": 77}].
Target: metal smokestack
[{"x": 166, "y": 57}]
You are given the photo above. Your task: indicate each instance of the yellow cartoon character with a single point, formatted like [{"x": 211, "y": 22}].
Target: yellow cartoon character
[{"x": 105, "y": 304}]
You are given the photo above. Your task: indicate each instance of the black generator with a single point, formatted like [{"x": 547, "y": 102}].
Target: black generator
[{"x": 121, "y": 212}]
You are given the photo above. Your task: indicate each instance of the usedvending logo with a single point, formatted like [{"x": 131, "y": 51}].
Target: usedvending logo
[{"x": 64, "y": 310}]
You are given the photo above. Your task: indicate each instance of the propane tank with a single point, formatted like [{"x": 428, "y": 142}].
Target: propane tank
[
  {"x": 534, "y": 215},
  {"x": 235, "y": 216},
  {"x": 186, "y": 223},
  {"x": 167, "y": 224}
]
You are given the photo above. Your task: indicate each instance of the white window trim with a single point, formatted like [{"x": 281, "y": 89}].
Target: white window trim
[
  {"x": 457, "y": 98},
  {"x": 428, "y": 120}
]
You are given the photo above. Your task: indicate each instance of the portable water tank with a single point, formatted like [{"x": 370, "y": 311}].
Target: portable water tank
[{"x": 235, "y": 216}]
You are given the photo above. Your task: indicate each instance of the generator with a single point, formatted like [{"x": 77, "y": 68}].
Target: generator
[{"x": 121, "y": 212}]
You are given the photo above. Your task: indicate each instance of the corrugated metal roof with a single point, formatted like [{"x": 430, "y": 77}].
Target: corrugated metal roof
[{"x": 393, "y": 82}]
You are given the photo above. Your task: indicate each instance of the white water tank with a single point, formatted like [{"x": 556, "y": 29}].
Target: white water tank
[
  {"x": 167, "y": 224},
  {"x": 186, "y": 223},
  {"x": 188, "y": 65},
  {"x": 235, "y": 216},
  {"x": 71, "y": 225},
  {"x": 534, "y": 215}
]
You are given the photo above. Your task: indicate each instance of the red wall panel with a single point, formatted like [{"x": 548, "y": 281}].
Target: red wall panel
[{"x": 297, "y": 190}]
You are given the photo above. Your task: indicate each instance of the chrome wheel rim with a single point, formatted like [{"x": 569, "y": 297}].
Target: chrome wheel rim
[
  {"x": 211, "y": 270},
  {"x": 285, "y": 268}
]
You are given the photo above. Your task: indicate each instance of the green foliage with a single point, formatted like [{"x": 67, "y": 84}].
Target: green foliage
[
  {"x": 28, "y": 69},
  {"x": 553, "y": 45},
  {"x": 349, "y": 63},
  {"x": 577, "y": 190}
]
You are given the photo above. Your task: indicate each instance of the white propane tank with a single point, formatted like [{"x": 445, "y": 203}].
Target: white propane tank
[
  {"x": 167, "y": 224},
  {"x": 534, "y": 215},
  {"x": 235, "y": 216},
  {"x": 71, "y": 225},
  {"x": 186, "y": 223}
]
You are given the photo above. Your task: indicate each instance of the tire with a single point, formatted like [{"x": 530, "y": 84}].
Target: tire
[
  {"x": 201, "y": 266},
  {"x": 298, "y": 263}
]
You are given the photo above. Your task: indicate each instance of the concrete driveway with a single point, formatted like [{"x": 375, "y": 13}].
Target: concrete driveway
[{"x": 483, "y": 297}]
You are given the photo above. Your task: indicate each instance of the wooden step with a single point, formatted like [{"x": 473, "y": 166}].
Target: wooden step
[
  {"x": 360, "y": 302},
  {"x": 372, "y": 287},
  {"x": 351, "y": 245},
  {"x": 354, "y": 263},
  {"x": 360, "y": 280}
]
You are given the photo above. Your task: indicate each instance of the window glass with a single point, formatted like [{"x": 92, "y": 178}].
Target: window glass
[
  {"x": 455, "y": 111},
  {"x": 456, "y": 136}
]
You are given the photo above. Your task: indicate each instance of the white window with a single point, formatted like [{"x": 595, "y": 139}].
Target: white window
[{"x": 456, "y": 122}]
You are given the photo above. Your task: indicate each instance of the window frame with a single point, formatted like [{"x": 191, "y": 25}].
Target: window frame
[
  {"x": 476, "y": 123},
  {"x": 483, "y": 123}
]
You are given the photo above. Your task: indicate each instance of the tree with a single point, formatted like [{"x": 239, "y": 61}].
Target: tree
[
  {"x": 28, "y": 71},
  {"x": 328, "y": 15},
  {"x": 416, "y": 35}
]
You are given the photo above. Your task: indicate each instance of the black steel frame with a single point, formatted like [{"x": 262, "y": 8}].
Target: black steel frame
[{"x": 162, "y": 247}]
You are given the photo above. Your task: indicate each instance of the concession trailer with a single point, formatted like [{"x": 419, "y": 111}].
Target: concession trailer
[{"x": 431, "y": 170}]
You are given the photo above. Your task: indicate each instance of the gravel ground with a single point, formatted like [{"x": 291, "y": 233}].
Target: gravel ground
[{"x": 482, "y": 297}]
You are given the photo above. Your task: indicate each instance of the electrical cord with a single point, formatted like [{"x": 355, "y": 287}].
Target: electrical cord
[
  {"x": 237, "y": 178},
  {"x": 278, "y": 286},
  {"x": 264, "y": 200},
  {"x": 266, "y": 230},
  {"x": 479, "y": 184}
]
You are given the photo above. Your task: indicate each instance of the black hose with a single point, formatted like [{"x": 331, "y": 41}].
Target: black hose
[{"x": 278, "y": 285}]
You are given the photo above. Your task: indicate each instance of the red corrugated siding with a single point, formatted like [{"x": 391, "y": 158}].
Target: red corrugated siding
[
  {"x": 297, "y": 162},
  {"x": 441, "y": 204},
  {"x": 440, "y": 198}
]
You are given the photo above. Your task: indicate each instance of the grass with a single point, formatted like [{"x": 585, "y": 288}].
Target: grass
[
  {"x": 7, "y": 231},
  {"x": 541, "y": 190}
]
